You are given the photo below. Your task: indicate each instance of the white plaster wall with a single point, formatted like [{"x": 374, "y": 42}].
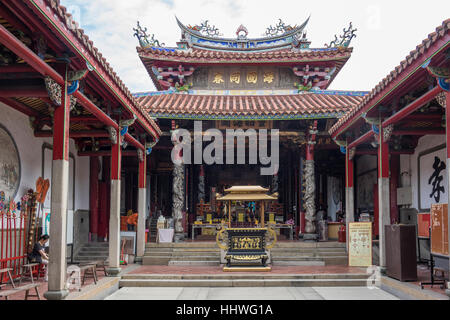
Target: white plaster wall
[
  {"x": 425, "y": 143},
  {"x": 30, "y": 153}
]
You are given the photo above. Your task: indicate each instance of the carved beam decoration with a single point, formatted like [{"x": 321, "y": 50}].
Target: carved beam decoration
[
  {"x": 351, "y": 153},
  {"x": 441, "y": 99},
  {"x": 112, "y": 134},
  {"x": 387, "y": 132},
  {"x": 140, "y": 154},
  {"x": 54, "y": 93}
]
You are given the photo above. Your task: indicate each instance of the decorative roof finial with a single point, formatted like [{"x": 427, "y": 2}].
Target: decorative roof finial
[
  {"x": 279, "y": 29},
  {"x": 144, "y": 38},
  {"x": 242, "y": 32},
  {"x": 206, "y": 29},
  {"x": 346, "y": 38}
]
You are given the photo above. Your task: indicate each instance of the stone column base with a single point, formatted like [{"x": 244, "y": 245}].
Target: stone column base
[
  {"x": 310, "y": 236},
  {"x": 56, "y": 295},
  {"x": 138, "y": 259},
  {"x": 113, "y": 272}
]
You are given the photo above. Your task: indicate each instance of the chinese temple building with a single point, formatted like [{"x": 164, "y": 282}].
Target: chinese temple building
[
  {"x": 275, "y": 82},
  {"x": 241, "y": 132}
]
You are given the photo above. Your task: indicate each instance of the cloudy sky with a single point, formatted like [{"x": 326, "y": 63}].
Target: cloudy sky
[{"x": 387, "y": 29}]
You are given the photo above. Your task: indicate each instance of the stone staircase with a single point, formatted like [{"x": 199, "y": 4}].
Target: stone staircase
[
  {"x": 92, "y": 251},
  {"x": 153, "y": 229},
  {"x": 208, "y": 254},
  {"x": 176, "y": 254},
  {"x": 244, "y": 280}
]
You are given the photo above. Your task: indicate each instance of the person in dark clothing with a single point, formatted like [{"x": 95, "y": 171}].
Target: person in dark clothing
[{"x": 38, "y": 254}]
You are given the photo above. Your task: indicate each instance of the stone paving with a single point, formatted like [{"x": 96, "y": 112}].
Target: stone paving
[{"x": 252, "y": 293}]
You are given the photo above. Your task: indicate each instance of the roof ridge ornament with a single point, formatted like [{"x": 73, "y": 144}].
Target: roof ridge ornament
[
  {"x": 206, "y": 29},
  {"x": 144, "y": 39},
  {"x": 242, "y": 32},
  {"x": 279, "y": 29},
  {"x": 345, "y": 39}
]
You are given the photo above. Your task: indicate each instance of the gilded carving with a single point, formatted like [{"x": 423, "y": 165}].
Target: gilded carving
[
  {"x": 269, "y": 77},
  {"x": 235, "y": 77},
  {"x": 218, "y": 78},
  {"x": 252, "y": 77}
]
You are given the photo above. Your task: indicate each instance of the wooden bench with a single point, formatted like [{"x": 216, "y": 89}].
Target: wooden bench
[
  {"x": 27, "y": 272},
  {"x": 89, "y": 271},
  {"x": 100, "y": 265},
  {"x": 5, "y": 294},
  {"x": 7, "y": 271}
]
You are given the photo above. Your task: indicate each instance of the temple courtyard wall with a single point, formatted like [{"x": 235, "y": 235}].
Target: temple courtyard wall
[{"x": 35, "y": 156}]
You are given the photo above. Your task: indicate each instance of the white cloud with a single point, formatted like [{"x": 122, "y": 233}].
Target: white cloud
[{"x": 387, "y": 30}]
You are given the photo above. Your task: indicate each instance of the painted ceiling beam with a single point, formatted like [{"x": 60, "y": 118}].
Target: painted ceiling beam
[{"x": 413, "y": 106}]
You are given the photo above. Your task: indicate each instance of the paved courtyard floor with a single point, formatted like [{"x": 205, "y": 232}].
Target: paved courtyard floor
[{"x": 252, "y": 293}]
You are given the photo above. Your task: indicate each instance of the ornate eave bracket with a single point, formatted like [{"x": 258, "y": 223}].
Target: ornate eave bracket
[
  {"x": 442, "y": 99},
  {"x": 54, "y": 92},
  {"x": 149, "y": 147},
  {"x": 112, "y": 134},
  {"x": 387, "y": 132}
]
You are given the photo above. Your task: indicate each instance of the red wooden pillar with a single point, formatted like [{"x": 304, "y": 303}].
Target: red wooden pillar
[
  {"x": 59, "y": 198},
  {"x": 114, "y": 216},
  {"x": 349, "y": 192},
  {"x": 383, "y": 194},
  {"x": 93, "y": 198},
  {"x": 142, "y": 212}
]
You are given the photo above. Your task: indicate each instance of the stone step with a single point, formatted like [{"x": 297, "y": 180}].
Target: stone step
[
  {"x": 337, "y": 282},
  {"x": 152, "y": 261},
  {"x": 196, "y": 258},
  {"x": 92, "y": 253},
  {"x": 97, "y": 244},
  {"x": 194, "y": 262},
  {"x": 246, "y": 276},
  {"x": 320, "y": 263}
]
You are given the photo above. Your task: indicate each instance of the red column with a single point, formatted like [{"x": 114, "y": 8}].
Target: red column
[
  {"x": 349, "y": 192},
  {"x": 393, "y": 185},
  {"x": 383, "y": 194},
  {"x": 93, "y": 198},
  {"x": 59, "y": 198},
  {"x": 114, "y": 214}
]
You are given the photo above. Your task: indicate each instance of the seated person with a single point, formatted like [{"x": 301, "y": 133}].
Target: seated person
[{"x": 38, "y": 254}]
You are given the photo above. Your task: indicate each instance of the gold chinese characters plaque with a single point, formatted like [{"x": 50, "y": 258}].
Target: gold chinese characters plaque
[
  {"x": 235, "y": 77},
  {"x": 218, "y": 78},
  {"x": 268, "y": 77},
  {"x": 252, "y": 77},
  {"x": 360, "y": 244}
]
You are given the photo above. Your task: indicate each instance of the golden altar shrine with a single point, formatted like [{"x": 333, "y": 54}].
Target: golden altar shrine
[{"x": 242, "y": 248}]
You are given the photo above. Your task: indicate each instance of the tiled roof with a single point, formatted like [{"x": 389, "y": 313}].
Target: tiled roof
[
  {"x": 66, "y": 18},
  {"x": 212, "y": 56},
  {"x": 295, "y": 106},
  {"x": 441, "y": 32}
]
